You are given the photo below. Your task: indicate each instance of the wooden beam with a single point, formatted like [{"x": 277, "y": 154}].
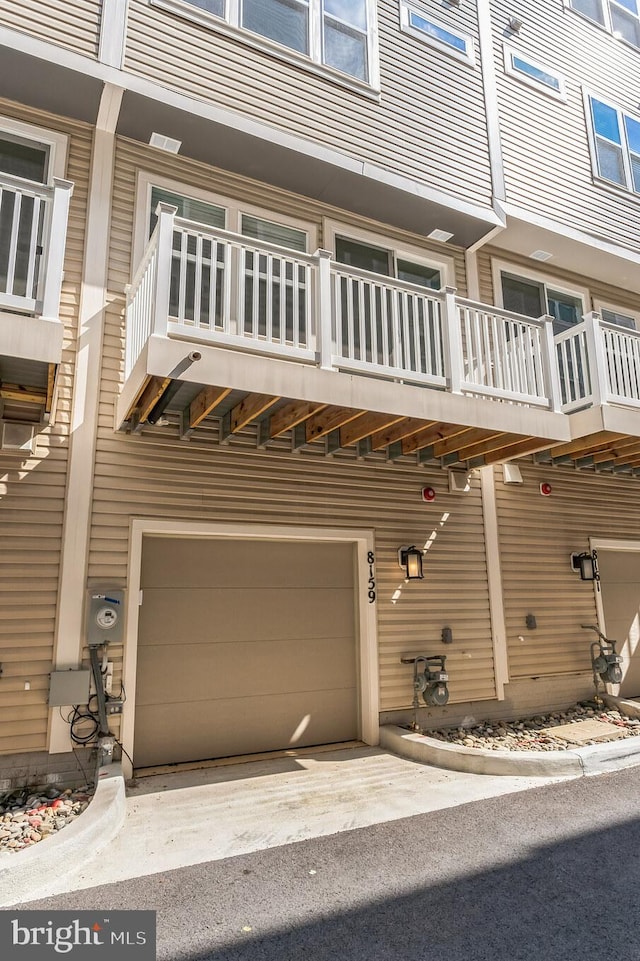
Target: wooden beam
[
  {"x": 517, "y": 449},
  {"x": 430, "y": 436},
  {"x": 364, "y": 425},
  {"x": 458, "y": 442},
  {"x": 51, "y": 383},
  {"x": 249, "y": 408},
  {"x": 291, "y": 415},
  {"x": 585, "y": 445},
  {"x": 205, "y": 402},
  {"x": 390, "y": 435},
  {"x": 616, "y": 451},
  {"x": 149, "y": 397},
  {"x": 26, "y": 395},
  {"x": 327, "y": 420},
  {"x": 489, "y": 444}
]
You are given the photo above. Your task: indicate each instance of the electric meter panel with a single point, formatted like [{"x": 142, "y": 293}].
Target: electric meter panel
[{"x": 105, "y": 622}]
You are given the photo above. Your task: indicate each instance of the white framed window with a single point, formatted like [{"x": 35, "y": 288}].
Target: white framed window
[
  {"x": 614, "y": 138},
  {"x": 436, "y": 34},
  {"x": 338, "y": 36},
  {"x": 621, "y": 316},
  {"x": 367, "y": 250},
  {"x": 619, "y": 17},
  {"x": 529, "y": 71},
  {"x": 32, "y": 153},
  {"x": 532, "y": 294}
]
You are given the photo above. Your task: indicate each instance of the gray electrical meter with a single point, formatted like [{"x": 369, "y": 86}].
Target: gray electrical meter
[{"x": 105, "y": 620}]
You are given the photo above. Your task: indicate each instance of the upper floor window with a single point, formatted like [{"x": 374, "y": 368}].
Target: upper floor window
[
  {"x": 435, "y": 33},
  {"x": 380, "y": 260},
  {"x": 335, "y": 33},
  {"x": 616, "y": 142},
  {"x": 19, "y": 158},
  {"x": 533, "y": 73},
  {"x": 619, "y": 17},
  {"x": 533, "y": 298}
]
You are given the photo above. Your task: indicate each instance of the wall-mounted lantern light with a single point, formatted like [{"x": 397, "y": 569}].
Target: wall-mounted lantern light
[
  {"x": 410, "y": 560},
  {"x": 586, "y": 565}
]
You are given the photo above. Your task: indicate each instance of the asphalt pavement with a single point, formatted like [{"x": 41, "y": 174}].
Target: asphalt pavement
[{"x": 551, "y": 873}]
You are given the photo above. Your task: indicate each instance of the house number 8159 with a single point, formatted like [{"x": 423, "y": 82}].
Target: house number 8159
[{"x": 371, "y": 592}]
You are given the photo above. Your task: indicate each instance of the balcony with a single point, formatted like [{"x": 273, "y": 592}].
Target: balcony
[
  {"x": 346, "y": 354},
  {"x": 33, "y": 227}
]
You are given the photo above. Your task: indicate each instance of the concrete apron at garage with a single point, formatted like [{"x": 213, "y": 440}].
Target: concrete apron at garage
[{"x": 175, "y": 820}]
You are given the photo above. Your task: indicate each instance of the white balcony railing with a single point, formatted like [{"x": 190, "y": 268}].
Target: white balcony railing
[
  {"x": 209, "y": 285},
  {"x": 33, "y": 227}
]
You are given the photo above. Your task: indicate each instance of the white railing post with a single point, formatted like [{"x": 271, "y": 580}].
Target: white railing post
[
  {"x": 55, "y": 243},
  {"x": 166, "y": 214},
  {"x": 324, "y": 313},
  {"x": 597, "y": 359},
  {"x": 550, "y": 372},
  {"x": 452, "y": 342}
]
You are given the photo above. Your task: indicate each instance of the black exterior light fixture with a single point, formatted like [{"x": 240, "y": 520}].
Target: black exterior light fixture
[
  {"x": 587, "y": 565},
  {"x": 410, "y": 560}
]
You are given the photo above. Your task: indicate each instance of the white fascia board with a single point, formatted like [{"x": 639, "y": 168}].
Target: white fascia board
[
  {"x": 282, "y": 378},
  {"x": 31, "y": 338}
]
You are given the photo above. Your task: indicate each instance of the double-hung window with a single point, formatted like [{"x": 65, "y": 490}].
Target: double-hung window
[
  {"x": 619, "y": 17},
  {"x": 616, "y": 142},
  {"x": 532, "y": 297},
  {"x": 335, "y": 33}
]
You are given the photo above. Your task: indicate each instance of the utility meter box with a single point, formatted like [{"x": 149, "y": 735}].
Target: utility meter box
[
  {"x": 105, "y": 617},
  {"x": 69, "y": 687}
]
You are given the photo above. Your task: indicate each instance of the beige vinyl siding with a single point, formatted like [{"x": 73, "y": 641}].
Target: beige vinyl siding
[
  {"x": 599, "y": 291},
  {"x": 429, "y": 124},
  {"x": 74, "y": 24},
  {"x": 32, "y": 499},
  {"x": 545, "y": 145},
  {"x": 537, "y": 535},
  {"x": 156, "y": 475}
]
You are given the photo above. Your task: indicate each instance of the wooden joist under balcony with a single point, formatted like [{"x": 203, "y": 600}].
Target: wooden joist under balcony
[
  {"x": 32, "y": 399},
  {"x": 325, "y": 427},
  {"x": 600, "y": 451}
]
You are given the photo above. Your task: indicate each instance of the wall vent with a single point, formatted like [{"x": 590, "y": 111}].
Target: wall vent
[{"x": 17, "y": 437}]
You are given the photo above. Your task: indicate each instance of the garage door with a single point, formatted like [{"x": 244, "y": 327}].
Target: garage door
[
  {"x": 243, "y": 647},
  {"x": 620, "y": 585}
]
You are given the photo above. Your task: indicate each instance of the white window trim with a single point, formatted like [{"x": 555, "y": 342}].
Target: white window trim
[
  {"x": 600, "y": 305},
  {"x": 402, "y": 251},
  {"x": 499, "y": 267},
  {"x": 405, "y": 25},
  {"x": 234, "y": 208},
  {"x": 229, "y": 25},
  {"x": 538, "y": 85},
  {"x": 606, "y": 27},
  {"x": 628, "y": 188},
  {"x": 56, "y": 143}
]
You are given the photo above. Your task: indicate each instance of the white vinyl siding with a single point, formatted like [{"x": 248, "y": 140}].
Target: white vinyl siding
[
  {"x": 410, "y": 131},
  {"x": 32, "y": 494},
  {"x": 74, "y": 24}
]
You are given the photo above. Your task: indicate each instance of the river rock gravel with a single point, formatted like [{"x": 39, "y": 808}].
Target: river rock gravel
[
  {"x": 535, "y": 733},
  {"x": 28, "y": 816}
]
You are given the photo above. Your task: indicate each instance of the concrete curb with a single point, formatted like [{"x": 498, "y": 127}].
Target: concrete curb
[
  {"x": 593, "y": 759},
  {"x": 27, "y": 875}
]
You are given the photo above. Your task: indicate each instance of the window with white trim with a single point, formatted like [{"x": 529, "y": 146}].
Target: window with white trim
[
  {"x": 339, "y": 34},
  {"x": 619, "y": 17},
  {"x": 534, "y": 298},
  {"x": 435, "y": 33},
  {"x": 617, "y": 315},
  {"x": 616, "y": 143},
  {"x": 535, "y": 74}
]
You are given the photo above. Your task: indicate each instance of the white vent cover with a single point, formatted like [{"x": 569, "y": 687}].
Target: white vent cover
[
  {"x": 459, "y": 482},
  {"x": 18, "y": 437},
  {"x": 165, "y": 143},
  {"x": 511, "y": 474}
]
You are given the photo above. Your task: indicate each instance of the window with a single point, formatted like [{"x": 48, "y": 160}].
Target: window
[
  {"x": 619, "y": 17},
  {"x": 533, "y": 298},
  {"x": 335, "y": 33},
  {"x": 188, "y": 207},
  {"x": 533, "y": 73},
  {"x": 437, "y": 34},
  {"x": 616, "y": 141},
  {"x": 617, "y": 315},
  {"x": 19, "y": 158},
  {"x": 381, "y": 261}
]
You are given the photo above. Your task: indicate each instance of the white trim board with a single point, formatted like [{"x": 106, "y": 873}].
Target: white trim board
[{"x": 366, "y": 627}]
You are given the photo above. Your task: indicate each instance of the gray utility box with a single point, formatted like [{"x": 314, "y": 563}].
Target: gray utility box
[
  {"x": 105, "y": 616},
  {"x": 69, "y": 687}
]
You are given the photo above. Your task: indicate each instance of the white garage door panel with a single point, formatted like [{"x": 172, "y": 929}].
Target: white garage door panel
[
  {"x": 228, "y": 670},
  {"x": 236, "y": 563},
  {"x": 217, "y": 616},
  {"x": 243, "y": 647},
  {"x": 224, "y": 728}
]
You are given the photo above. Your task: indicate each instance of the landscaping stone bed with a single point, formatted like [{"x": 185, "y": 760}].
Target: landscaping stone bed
[
  {"x": 28, "y": 816},
  {"x": 536, "y": 733}
]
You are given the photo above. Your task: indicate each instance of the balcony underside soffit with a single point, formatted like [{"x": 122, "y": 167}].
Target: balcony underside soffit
[
  {"x": 602, "y": 451},
  {"x": 27, "y": 391},
  {"x": 321, "y": 428}
]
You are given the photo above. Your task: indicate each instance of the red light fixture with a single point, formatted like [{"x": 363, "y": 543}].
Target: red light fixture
[
  {"x": 545, "y": 490},
  {"x": 428, "y": 494}
]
